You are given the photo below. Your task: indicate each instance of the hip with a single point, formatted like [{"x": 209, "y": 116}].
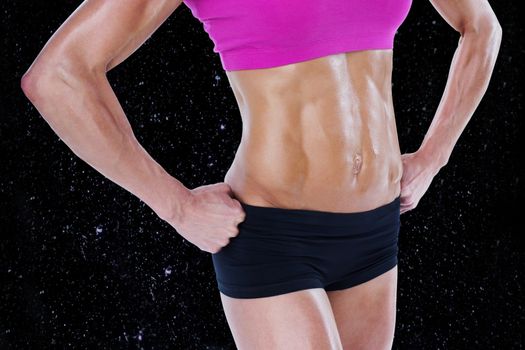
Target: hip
[{"x": 282, "y": 250}]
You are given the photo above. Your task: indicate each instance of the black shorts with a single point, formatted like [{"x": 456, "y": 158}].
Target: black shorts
[{"x": 281, "y": 250}]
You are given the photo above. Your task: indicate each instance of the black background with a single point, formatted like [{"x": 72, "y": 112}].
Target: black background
[{"x": 85, "y": 264}]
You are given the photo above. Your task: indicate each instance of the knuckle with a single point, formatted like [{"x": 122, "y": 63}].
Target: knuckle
[
  {"x": 237, "y": 205},
  {"x": 233, "y": 232},
  {"x": 235, "y": 222}
]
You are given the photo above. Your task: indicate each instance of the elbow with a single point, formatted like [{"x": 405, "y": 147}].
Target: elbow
[
  {"x": 485, "y": 36},
  {"x": 485, "y": 26},
  {"x": 26, "y": 84},
  {"x": 41, "y": 78},
  {"x": 33, "y": 81},
  {"x": 31, "y": 85},
  {"x": 494, "y": 36},
  {"x": 491, "y": 31},
  {"x": 495, "y": 31}
]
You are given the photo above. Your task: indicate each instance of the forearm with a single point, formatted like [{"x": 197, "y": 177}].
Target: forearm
[
  {"x": 468, "y": 79},
  {"x": 82, "y": 109}
]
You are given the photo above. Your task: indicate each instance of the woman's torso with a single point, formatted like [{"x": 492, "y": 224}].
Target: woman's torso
[{"x": 318, "y": 134}]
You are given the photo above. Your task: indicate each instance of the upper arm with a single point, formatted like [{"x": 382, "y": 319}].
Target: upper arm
[
  {"x": 464, "y": 15},
  {"x": 100, "y": 34}
]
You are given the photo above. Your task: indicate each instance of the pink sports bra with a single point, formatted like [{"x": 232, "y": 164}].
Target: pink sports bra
[{"x": 251, "y": 34}]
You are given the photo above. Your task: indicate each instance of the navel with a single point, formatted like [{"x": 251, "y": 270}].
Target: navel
[{"x": 357, "y": 163}]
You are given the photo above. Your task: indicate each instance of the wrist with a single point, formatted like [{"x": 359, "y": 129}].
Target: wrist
[
  {"x": 170, "y": 200},
  {"x": 433, "y": 158}
]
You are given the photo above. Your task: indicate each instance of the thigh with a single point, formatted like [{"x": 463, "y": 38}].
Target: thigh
[
  {"x": 297, "y": 320},
  {"x": 366, "y": 313}
]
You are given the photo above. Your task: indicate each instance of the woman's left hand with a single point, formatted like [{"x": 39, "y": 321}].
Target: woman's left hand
[{"x": 418, "y": 173}]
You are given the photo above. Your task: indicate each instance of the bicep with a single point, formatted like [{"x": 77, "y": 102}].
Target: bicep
[
  {"x": 463, "y": 15},
  {"x": 100, "y": 34}
]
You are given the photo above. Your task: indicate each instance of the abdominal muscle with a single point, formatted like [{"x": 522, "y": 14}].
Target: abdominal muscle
[{"x": 318, "y": 134}]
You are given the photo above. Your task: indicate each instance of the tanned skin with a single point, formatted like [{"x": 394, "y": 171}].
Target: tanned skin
[{"x": 318, "y": 134}]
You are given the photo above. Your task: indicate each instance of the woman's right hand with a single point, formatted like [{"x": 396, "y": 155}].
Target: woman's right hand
[{"x": 209, "y": 217}]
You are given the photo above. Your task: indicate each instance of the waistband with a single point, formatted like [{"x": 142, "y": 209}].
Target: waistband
[{"x": 265, "y": 215}]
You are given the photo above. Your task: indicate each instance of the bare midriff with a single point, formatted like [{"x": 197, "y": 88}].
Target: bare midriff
[{"x": 318, "y": 134}]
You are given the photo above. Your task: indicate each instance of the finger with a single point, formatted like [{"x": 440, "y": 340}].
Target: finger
[
  {"x": 224, "y": 186},
  {"x": 405, "y": 198},
  {"x": 233, "y": 232},
  {"x": 407, "y": 207},
  {"x": 404, "y": 208},
  {"x": 227, "y": 188},
  {"x": 240, "y": 210},
  {"x": 239, "y": 221},
  {"x": 236, "y": 203},
  {"x": 405, "y": 202},
  {"x": 236, "y": 221}
]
